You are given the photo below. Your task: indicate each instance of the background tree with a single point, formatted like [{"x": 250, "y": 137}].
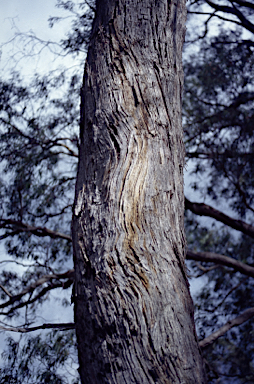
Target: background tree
[
  {"x": 218, "y": 116},
  {"x": 37, "y": 138}
]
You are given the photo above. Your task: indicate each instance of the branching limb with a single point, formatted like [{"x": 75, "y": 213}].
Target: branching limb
[
  {"x": 245, "y": 316},
  {"x": 5, "y": 290},
  {"x": 205, "y": 270},
  {"x": 70, "y": 151},
  {"x": 52, "y": 214},
  {"x": 19, "y": 227},
  {"x": 228, "y": 294},
  {"x": 233, "y": 11},
  {"x": 42, "y": 293},
  {"x": 90, "y": 6},
  {"x": 30, "y": 289},
  {"x": 242, "y": 99},
  {"x": 30, "y": 139},
  {"x": 60, "y": 326},
  {"x": 211, "y": 257},
  {"x": 202, "y": 209},
  {"x": 205, "y": 155}
]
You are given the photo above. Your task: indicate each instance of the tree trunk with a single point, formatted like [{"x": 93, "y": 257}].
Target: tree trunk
[{"x": 133, "y": 311}]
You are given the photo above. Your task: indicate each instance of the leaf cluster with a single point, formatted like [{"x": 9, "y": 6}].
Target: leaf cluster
[{"x": 40, "y": 359}]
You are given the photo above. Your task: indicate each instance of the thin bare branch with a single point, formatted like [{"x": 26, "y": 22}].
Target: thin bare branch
[
  {"x": 70, "y": 151},
  {"x": 22, "y": 134},
  {"x": 42, "y": 293},
  {"x": 205, "y": 270},
  {"x": 233, "y": 11},
  {"x": 245, "y": 316},
  {"x": 60, "y": 326},
  {"x": 242, "y": 99},
  {"x": 202, "y": 209},
  {"x": 52, "y": 214},
  {"x": 90, "y": 6},
  {"x": 211, "y": 257},
  {"x": 46, "y": 278},
  {"x": 228, "y": 294},
  {"x": 5, "y": 290},
  {"x": 18, "y": 263},
  {"x": 19, "y": 227},
  {"x": 243, "y": 3},
  {"x": 211, "y": 155}
]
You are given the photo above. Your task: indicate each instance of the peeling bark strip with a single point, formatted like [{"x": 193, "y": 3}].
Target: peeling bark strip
[{"x": 133, "y": 311}]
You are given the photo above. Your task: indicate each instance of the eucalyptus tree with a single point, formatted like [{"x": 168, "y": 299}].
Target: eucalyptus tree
[
  {"x": 39, "y": 153},
  {"x": 133, "y": 311},
  {"x": 137, "y": 257}
]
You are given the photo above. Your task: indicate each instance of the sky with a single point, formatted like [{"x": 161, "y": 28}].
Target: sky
[
  {"x": 30, "y": 16},
  {"x": 26, "y": 17},
  {"x": 27, "y": 14}
]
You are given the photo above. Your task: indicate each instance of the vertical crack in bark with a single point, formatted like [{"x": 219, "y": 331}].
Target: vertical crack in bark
[{"x": 158, "y": 77}]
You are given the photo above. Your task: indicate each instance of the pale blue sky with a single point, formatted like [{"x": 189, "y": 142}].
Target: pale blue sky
[
  {"x": 26, "y": 16},
  {"x": 31, "y": 15}
]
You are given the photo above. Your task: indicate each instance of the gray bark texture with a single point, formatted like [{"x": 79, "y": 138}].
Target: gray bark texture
[{"x": 133, "y": 310}]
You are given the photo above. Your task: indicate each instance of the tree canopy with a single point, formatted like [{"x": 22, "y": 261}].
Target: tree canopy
[{"x": 39, "y": 152}]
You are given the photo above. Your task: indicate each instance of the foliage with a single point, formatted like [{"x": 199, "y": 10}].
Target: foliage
[
  {"x": 39, "y": 151},
  {"x": 39, "y": 124},
  {"x": 78, "y": 37},
  {"x": 40, "y": 359},
  {"x": 218, "y": 108},
  {"x": 218, "y": 122}
]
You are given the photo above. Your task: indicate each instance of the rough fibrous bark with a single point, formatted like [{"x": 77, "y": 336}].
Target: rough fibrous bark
[{"x": 133, "y": 311}]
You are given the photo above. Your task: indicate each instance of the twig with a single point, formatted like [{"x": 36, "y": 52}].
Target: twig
[
  {"x": 67, "y": 275},
  {"x": 60, "y": 326},
  {"x": 5, "y": 290},
  {"x": 246, "y": 315},
  {"x": 23, "y": 227}
]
